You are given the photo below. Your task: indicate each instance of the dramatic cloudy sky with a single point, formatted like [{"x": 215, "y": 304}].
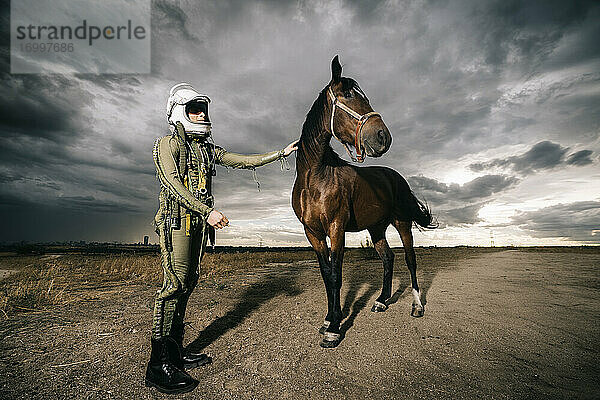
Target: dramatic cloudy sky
[{"x": 494, "y": 108}]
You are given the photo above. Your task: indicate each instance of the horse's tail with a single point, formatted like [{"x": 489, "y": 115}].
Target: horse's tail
[
  {"x": 409, "y": 207},
  {"x": 420, "y": 212}
]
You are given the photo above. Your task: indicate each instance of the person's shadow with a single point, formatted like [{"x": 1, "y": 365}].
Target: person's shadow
[{"x": 258, "y": 293}]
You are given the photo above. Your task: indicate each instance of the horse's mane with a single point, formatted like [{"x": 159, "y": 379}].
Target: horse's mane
[{"x": 314, "y": 142}]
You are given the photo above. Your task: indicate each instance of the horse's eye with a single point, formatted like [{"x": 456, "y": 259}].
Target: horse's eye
[{"x": 348, "y": 95}]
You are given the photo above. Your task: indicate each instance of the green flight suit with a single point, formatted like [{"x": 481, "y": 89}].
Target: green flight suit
[{"x": 185, "y": 168}]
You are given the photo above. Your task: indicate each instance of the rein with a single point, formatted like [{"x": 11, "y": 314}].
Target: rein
[{"x": 362, "y": 118}]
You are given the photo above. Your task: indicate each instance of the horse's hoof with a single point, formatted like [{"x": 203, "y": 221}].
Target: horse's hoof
[
  {"x": 330, "y": 340},
  {"x": 379, "y": 307},
  {"x": 324, "y": 327},
  {"x": 417, "y": 312}
]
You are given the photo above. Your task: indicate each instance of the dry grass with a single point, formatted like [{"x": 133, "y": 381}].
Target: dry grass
[
  {"x": 42, "y": 281},
  {"x": 222, "y": 263},
  {"x": 47, "y": 280}
]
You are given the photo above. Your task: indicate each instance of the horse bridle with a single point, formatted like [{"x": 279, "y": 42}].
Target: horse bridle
[{"x": 362, "y": 118}]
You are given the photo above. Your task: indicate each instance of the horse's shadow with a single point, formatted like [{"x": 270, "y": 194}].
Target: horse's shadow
[
  {"x": 258, "y": 293},
  {"x": 357, "y": 279},
  {"x": 372, "y": 278}
]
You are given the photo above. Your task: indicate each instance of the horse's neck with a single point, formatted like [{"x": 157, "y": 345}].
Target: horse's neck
[
  {"x": 315, "y": 153},
  {"x": 314, "y": 148}
]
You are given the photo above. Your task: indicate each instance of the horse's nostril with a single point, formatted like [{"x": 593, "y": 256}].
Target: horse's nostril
[{"x": 381, "y": 136}]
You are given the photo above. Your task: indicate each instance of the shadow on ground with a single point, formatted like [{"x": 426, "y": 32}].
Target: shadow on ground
[
  {"x": 257, "y": 294},
  {"x": 425, "y": 277},
  {"x": 365, "y": 276}
]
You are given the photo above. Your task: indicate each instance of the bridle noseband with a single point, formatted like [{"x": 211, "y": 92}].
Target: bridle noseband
[{"x": 358, "y": 139}]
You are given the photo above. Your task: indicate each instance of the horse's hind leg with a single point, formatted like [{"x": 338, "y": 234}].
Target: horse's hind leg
[
  {"x": 404, "y": 229},
  {"x": 387, "y": 256}
]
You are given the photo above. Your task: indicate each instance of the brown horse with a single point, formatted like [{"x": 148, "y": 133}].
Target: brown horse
[{"x": 331, "y": 197}]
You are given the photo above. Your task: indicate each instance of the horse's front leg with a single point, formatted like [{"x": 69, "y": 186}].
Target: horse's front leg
[
  {"x": 319, "y": 244},
  {"x": 333, "y": 282}
]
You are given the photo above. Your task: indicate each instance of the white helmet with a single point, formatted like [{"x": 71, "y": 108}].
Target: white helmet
[{"x": 182, "y": 97}]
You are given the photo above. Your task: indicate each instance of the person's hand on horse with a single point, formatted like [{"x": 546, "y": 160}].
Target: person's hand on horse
[
  {"x": 217, "y": 219},
  {"x": 290, "y": 148}
]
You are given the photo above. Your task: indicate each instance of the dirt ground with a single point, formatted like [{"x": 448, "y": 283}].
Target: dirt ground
[{"x": 499, "y": 324}]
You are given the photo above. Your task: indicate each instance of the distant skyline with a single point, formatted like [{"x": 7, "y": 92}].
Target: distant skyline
[{"x": 494, "y": 110}]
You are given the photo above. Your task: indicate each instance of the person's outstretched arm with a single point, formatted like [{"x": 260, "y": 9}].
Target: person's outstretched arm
[{"x": 234, "y": 160}]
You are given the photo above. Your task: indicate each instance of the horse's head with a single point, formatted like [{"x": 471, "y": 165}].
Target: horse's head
[{"x": 353, "y": 121}]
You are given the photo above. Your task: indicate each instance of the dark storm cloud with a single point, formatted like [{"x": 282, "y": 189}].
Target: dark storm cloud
[
  {"x": 579, "y": 221},
  {"x": 455, "y": 204},
  {"x": 30, "y": 181},
  {"x": 479, "y": 188},
  {"x": 510, "y": 31},
  {"x": 127, "y": 86},
  {"x": 542, "y": 156},
  {"x": 483, "y": 187},
  {"x": 42, "y": 125},
  {"x": 91, "y": 204},
  {"x": 40, "y": 107},
  {"x": 462, "y": 215},
  {"x": 26, "y": 153},
  {"x": 540, "y": 25},
  {"x": 195, "y": 29},
  {"x": 367, "y": 12},
  {"x": 460, "y": 71},
  {"x": 226, "y": 14},
  {"x": 171, "y": 18},
  {"x": 422, "y": 183},
  {"x": 44, "y": 191},
  {"x": 5, "y": 178},
  {"x": 580, "y": 158},
  {"x": 10, "y": 199},
  {"x": 121, "y": 147}
]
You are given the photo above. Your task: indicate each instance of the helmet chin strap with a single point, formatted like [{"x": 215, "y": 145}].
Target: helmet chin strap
[
  {"x": 190, "y": 135},
  {"x": 362, "y": 118},
  {"x": 197, "y": 136}
]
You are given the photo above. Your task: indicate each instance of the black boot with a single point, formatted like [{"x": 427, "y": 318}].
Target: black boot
[
  {"x": 189, "y": 358},
  {"x": 193, "y": 359},
  {"x": 162, "y": 371}
]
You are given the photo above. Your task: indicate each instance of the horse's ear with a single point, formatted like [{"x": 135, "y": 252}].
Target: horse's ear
[{"x": 336, "y": 69}]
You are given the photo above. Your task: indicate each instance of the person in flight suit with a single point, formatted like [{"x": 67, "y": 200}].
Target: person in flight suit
[{"x": 185, "y": 164}]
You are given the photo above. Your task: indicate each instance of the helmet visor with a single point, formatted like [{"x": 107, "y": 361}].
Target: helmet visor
[{"x": 197, "y": 107}]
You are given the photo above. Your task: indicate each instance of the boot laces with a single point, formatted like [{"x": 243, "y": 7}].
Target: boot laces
[{"x": 169, "y": 369}]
